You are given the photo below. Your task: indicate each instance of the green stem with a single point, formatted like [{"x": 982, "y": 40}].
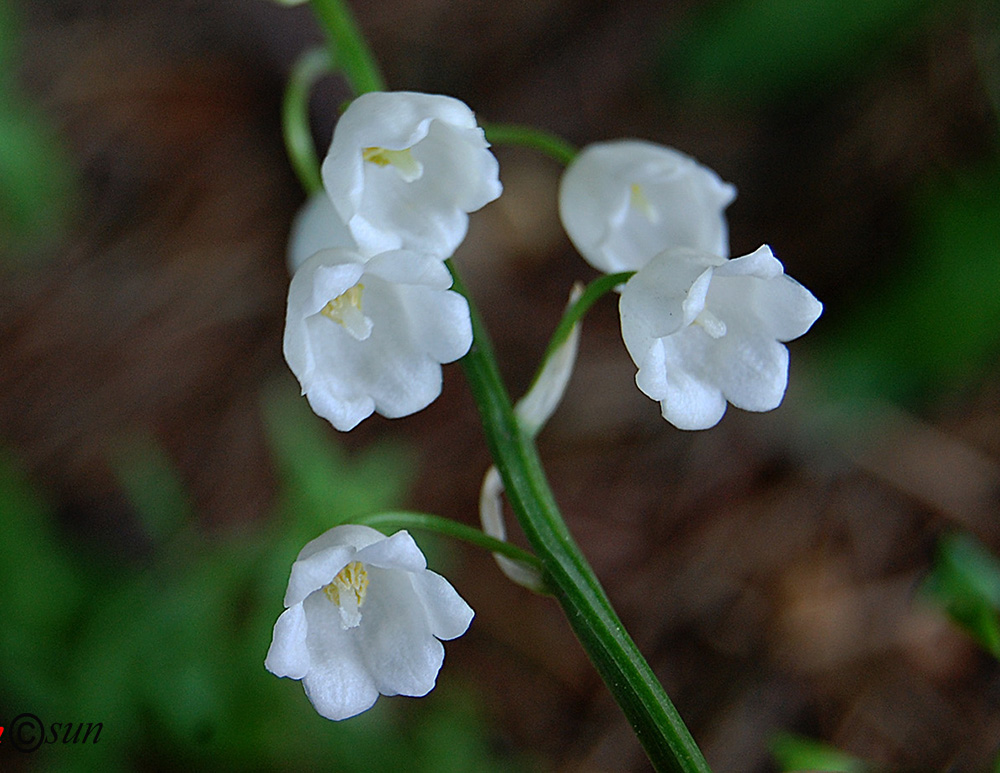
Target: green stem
[
  {"x": 527, "y": 136},
  {"x": 654, "y": 719},
  {"x": 354, "y": 57},
  {"x": 404, "y": 519},
  {"x": 295, "y": 117},
  {"x": 593, "y": 293}
]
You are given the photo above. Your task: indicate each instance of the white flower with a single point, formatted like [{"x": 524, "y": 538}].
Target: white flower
[
  {"x": 623, "y": 202},
  {"x": 703, "y": 330},
  {"x": 363, "y": 617},
  {"x": 371, "y": 335},
  {"x": 316, "y": 226},
  {"x": 405, "y": 169}
]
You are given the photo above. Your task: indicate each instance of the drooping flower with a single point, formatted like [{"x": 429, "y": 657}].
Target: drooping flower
[
  {"x": 703, "y": 330},
  {"x": 363, "y": 617},
  {"x": 405, "y": 169},
  {"x": 624, "y": 201},
  {"x": 371, "y": 335}
]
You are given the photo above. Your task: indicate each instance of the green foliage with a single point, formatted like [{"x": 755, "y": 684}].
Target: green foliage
[
  {"x": 36, "y": 178},
  {"x": 752, "y": 51},
  {"x": 966, "y": 582},
  {"x": 937, "y": 323},
  {"x": 795, "y": 752},
  {"x": 168, "y": 654}
]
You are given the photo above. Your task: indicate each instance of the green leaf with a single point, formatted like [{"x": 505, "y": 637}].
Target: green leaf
[
  {"x": 796, "y": 752},
  {"x": 966, "y": 582},
  {"x": 753, "y": 51}
]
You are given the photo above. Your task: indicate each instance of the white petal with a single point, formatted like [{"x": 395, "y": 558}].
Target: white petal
[
  {"x": 317, "y": 226},
  {"x": 447, "y": 613},
  {"x": 396, "y": 552},
  {"x": 321, "y": 558},
  {"x": 413, "y": 327},
  {"x": 752, "y": 372},
  {"x": 352, "y": 535},
  {"x": 288, "y": 654},
  {"x": 686, "y": 401},
  {"x": 339, "y": 684},
  {"x": 623, "y": 202},
  {"x": 312, "y": 573},
  {"x": 395, "y": 640},
  {"x": 545, "y": 394},
  {"x": 386, "y": 210}
]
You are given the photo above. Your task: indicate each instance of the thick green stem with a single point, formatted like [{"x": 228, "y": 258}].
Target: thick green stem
[
  {"x": 654, "y": 719},
  {"x": 354, "y": 57}
]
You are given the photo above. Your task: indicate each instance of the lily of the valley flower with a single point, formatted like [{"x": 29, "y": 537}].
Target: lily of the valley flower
[
  {"x": 405, "y": 169},
  {"x": 371, "y": 335},
  {"x": 364, "y": 617},
  {"x": 703, "y": 330},
  {"x": 624, "y": 201}
]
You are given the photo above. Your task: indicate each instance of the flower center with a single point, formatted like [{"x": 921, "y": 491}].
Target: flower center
[
  {"x": 638, "y": 200},
  {"x": 401, "y": 160},
  {"x": 348, "y": 591},
  {"x": 345, "y": 310}
]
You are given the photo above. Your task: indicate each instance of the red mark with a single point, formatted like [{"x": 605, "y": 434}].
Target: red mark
[{"x": 1, "y": 731}]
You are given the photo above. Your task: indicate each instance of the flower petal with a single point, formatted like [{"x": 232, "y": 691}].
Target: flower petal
[
  {"x": 396, "y": 552},
  {"x": 622, "y": 202},
  {"x": 317, "y": 226},
  {"x": 448, "y": 172},
  {"x": 339, "y": 683},
  {"x": 447, "y": 613},
  {"x": 288, "y": 654},
  {"x": 686, "y": 400},
  {"x": 395, "y": 640}
]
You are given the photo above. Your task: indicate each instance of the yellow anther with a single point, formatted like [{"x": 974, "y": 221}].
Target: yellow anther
[
  {"x": 637, "y": 199},
  {"x": 345, "y": 310},
  {"x": 351, "y": 579},
  {"x": 402, "y": 160}
]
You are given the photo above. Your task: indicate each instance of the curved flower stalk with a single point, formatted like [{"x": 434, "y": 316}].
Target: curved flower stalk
[
  {"x": 404, "y": 170},
  {"x": 364, "y": 617},
  {"x": 624, "y": 201},
  {"x": 371, "y": 335},
  {"x": 704, "y": 330}
]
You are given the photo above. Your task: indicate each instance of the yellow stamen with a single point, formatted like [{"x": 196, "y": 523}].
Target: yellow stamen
[
  {"x": 638, "y": 200},
  {"x": 351, "y": 579},
  {"x": 345, "y": 310},
  {"x": 403, "y": 161}
]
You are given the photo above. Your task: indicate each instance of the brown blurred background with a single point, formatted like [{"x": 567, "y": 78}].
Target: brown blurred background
[{"x": 769, "y": 568}]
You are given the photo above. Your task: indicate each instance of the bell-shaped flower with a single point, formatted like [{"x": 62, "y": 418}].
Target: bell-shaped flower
[
  {"x": 371, "y": 335},
  {"x": 363, "y": 617},
  {"x": 703, "y": 330},
  {"x": 624, "y": 201},
  {"x": 405, "y": 169}
]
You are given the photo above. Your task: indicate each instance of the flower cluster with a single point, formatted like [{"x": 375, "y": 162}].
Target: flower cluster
[
  {"x": 363, "y": 617},
  {"x": 371, "y": 316},
  {"x": 702, "y": 329}
]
